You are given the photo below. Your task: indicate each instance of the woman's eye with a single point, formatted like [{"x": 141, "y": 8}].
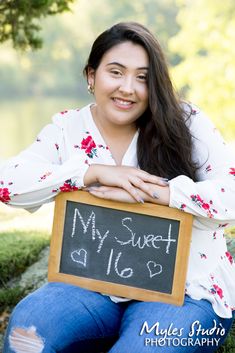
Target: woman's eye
[
  {"x": 142, "y": 77},
  {"x": 116, "y": 72}
]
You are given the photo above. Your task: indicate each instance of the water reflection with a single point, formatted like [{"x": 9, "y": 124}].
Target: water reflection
[{"x": 21, "y": 120}]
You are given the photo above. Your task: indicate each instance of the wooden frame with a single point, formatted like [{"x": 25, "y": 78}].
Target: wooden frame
[{"x": 183, "y": 247}]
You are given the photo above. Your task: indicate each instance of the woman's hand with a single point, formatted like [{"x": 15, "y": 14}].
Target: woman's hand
[
  {"x": 134, "y": 181},
  {"x": 121, "y": 195}
]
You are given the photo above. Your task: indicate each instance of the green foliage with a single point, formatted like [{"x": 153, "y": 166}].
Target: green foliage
[
  {"x": 229, "y": 344},
  {"x": 9, "y": 297},
  {"x": 19, "y": 20},
  {"x": 19, "y": 250},
  {"x": 206, "y": 72}
]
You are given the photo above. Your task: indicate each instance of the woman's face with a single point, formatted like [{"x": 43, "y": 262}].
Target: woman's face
[{"x": 120, "y": 84}]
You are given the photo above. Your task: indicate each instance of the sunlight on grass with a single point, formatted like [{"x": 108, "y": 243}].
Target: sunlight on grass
[{"x": 18, "y": 219}]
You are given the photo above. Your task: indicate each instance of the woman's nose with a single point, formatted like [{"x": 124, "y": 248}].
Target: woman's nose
[{"x": 127, "y": 86}]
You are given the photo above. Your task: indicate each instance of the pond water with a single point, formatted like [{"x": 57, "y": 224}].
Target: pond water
[{"x": 21, "y": 120}]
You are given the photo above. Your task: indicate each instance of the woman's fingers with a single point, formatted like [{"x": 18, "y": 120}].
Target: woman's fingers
[
  {"x": 132, "y": 190},
  {"x": 111, "y": 193},
  {"x": 160, "y": 195},
  {"x": 116, "y": 175},
  {"x": 135, "y": 181},
  {"x": 150, "y": 178}
]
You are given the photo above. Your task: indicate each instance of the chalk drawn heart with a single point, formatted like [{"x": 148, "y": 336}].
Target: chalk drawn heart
[
  {"x": 79, "y": 256},
  {"x": 154, "y": 269}
]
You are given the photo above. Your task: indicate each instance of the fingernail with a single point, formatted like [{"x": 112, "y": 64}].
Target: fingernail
[
  {"x": 155, "y": 195},
  {"x": 141, "y": 200},
  {"x": 165, "y": 180}
]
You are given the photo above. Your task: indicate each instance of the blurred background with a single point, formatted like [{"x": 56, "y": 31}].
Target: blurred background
[{"x": 198, "y": 37}]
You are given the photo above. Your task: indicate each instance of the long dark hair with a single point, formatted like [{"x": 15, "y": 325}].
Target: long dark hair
[{"x": 164, "y": 146}]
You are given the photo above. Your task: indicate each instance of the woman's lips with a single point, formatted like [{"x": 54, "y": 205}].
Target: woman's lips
[{"x": 123, "y": 103}]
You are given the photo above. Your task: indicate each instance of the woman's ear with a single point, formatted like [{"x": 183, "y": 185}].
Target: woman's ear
[{"x": 91, "y": 76}]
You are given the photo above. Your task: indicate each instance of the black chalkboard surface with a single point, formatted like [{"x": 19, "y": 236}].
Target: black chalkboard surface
[{"x": 136, "y": 251}]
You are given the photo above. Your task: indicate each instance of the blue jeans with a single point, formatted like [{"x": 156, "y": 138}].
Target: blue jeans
[{"x": 63, "y": 318}]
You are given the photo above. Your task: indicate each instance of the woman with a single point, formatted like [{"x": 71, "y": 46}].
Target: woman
[{"x": 136, "y": 143}]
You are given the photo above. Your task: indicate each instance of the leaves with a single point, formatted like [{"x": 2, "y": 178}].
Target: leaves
[
  {"x": 206, "y": 72},
  {"x": 19, "y": 20}
]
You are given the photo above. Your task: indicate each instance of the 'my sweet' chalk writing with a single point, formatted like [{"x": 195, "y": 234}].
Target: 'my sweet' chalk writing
[{"x": 114, "y": 249}]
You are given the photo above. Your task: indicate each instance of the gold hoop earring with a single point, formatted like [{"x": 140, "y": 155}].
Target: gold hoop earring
[{"x": 90, "y": 89}]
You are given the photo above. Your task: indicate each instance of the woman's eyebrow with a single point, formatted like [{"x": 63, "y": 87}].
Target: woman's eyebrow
[{"x": 124, "y": 67}]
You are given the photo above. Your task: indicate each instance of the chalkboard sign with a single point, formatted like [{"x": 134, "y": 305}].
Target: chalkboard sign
[{"x": 129, "y": 250}]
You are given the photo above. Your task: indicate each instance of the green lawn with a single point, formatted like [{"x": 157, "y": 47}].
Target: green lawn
[
  {"x": 18, "y": 251},
  {"x": 23, "y": 235}
]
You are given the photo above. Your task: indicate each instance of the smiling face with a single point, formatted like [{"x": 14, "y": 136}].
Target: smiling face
[{"x": 120, "y": 85}]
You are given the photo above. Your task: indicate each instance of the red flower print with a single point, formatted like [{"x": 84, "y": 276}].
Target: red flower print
[
  {"x": 199, "y": 198},
  {"x": 89, "y": 146},
  {"x": 68, "y": 186},
  {"x": 4, "y": 195},
  {"x": 182, "y": 206},
  {"x": 208, "y": 168},
  {"x": 222, "y": 190},
  {"x": 103, "y": 146},
  {"x": 56, "y": 146},
  {"x": 43, "y": 177},
  {"x": 203, "y": 256},
  {"x": 232, "y": 171},
  {"x": 229, "y": 256},
  {"x": 222, "y": 225},
  {"x": 1, "y": 182},
  {"x": 64, "y": 112},
  {"x": 218, "y": 290},
  {"x": 206, "y": 206}
]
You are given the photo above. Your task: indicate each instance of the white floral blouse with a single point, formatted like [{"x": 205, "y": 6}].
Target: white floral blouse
[{"x": 58, "y": 159}]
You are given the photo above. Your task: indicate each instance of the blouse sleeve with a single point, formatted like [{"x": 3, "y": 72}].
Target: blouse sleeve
[
  {"x": 37, "y": 174},
  {"x": 212, "y": 197}
]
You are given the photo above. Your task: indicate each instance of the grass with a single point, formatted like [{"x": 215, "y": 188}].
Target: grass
[
  {"x": 20, "y": 246},
  {"x": 19, "y": 249},
  {"x": 229, "y": 344},
  {"x": 9, "y": 297}
]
